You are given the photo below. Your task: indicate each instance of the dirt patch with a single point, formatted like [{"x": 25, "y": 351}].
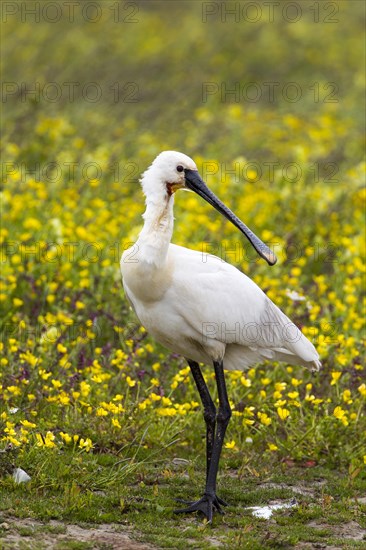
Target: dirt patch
[
  {"x": 32, "y": 534},
  {"x": 350, "y": 530},
  {"x": 316, "y": 546},
  {"x": 309, "y": 489}
]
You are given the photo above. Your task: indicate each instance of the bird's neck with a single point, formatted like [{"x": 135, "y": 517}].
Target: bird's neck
[{"x": 154, "y": 239}]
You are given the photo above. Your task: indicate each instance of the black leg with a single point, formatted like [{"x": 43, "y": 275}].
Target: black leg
[
  {"x": 210, "y": 502},
  {"x": 209, "y": 410},
  {"x": 223, "y": 418}
]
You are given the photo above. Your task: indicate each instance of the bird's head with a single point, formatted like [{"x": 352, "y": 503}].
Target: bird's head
[
  {"x": 171, "y": 171},
  {"x": 166, "y": 175}
]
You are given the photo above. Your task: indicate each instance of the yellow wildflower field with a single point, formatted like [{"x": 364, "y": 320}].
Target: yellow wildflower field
[{"x": 270, "y": 112}]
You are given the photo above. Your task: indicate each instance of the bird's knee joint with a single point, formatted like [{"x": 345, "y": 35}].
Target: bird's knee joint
[
  {"x": 210, "y": 415},
  {"x": 224, "y": 415}
]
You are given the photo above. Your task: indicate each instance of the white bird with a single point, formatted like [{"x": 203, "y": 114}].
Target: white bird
[{"x": 202, "y": 307}]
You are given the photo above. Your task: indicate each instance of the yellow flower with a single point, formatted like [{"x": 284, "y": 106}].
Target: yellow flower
[
  {"x": 130, "y": 382},
  {"x": 155, "y": 397},
  {"x": 32, "y": 223},
  {"x": 346, "y": 395},
  {"x": 264, "y": 418},
  {"x": 283, "y": 413},
  {"x": 335, "y": 377},
  {"x": 118, "y": 397},
  {"x": 61, "y": 348},
  {"x": 28, "y": 424},
  {"x": 10, "y": 429},
  {"x": 17, "y": 302},
  {"x": 341, "y": 359},
  {"x": 272, "y": 447},
  {"x": 84, "y": 388},
  {"x": 245, "y": 382},
  {"x": 144, "y": 404},
  {"x": 66, "y": 437},
  {"x": 15, "y": 390},
  {"x": 86, "y": 444},
  {"x": 116, "y": 423},
  {"x": 63, "y": 398},
  {"x": 248, "y": 422},
  {"x": 47, "y": 441},
  {"x": 31, "y": 359},
  {"x": 14, "y": 441},
  {"x": 341, "y": 414},
  {"x": 167, "y": 411},
  {"x": 43, "y": 374},
  {"x": 230, "y": 444}
]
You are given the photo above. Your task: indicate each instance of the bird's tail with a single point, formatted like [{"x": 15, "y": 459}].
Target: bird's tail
[{"x": 282, "y": 354}]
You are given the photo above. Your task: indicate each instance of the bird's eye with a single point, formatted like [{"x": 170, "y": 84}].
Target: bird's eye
[{"x": 180, "y": 168}]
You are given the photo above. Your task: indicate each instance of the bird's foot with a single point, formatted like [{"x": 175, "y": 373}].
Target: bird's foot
[{"x": 206, "y": 505}]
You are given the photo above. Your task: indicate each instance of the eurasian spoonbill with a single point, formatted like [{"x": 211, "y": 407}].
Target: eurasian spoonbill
[{"x": 207, "y": 311}]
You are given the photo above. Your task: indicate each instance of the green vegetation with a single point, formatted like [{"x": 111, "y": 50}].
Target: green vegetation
[{"x": 97, "y": 413}]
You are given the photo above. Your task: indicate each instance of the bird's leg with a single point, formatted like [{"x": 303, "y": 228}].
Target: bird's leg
[
  {"x": 209, "y": 410},
  {"x": 210, "y": 502},
  {"x": 222, "y": 421}
]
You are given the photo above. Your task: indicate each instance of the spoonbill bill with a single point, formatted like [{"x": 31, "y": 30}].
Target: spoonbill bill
[{"x": 204, "y": 308}]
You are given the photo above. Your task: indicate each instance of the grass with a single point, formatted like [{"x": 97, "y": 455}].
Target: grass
[
  {"x": 327, "y": 503},
  {"x": 95, "y": 411}
]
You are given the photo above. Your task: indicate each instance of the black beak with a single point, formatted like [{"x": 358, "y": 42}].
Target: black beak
[{"x": 195, "y": 182}]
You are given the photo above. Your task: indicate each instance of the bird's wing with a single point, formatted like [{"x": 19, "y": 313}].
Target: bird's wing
[{"x": 222, "y": 303}]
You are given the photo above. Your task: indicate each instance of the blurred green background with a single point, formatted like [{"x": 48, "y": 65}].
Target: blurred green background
[
  {"x": 167, "y": 51},
  {"x": 108, "y": 85}
]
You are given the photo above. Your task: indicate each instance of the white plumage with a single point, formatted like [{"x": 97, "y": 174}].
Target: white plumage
[
  {"x": 196, "y": 304},
  {"x": 203, "y": 308}
]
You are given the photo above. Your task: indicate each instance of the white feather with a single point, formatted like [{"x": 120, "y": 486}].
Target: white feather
[{"x": 196, "y": 304}]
